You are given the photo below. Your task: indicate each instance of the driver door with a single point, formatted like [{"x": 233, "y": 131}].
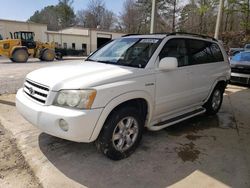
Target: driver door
[
  {"x": 172, "y": 87},
  {"x": 28, "y": 40}
]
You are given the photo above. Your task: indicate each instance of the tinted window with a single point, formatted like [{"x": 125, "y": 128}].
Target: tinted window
[
  {"x": 200, "y": 52},
  {"x": 216, "y": 52},
  {"x": 176, "y": 48}
]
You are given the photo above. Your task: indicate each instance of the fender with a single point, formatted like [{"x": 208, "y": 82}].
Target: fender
[
  {"x": 222, "y": 78},
  {"x": 16, "y": 48},
  {"x": 117, "y": 101}
]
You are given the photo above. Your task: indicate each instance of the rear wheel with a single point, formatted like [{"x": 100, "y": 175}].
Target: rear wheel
[
  {"x": 48, "y": 55},
  {"x": 121, "y": 133},
  {"x": 20, "y": 56},
  {"x": 214, "y": 103}
]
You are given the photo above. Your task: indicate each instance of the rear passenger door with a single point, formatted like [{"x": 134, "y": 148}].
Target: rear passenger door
[{"x": 205, "y": 62}]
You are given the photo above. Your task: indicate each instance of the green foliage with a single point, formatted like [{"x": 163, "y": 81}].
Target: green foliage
[
  {"x": 66, "y": 13},
  {"x": 56, "y": 17}
]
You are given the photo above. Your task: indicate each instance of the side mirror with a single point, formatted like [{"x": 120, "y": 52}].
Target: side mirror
[{"x": 168, "y": 63}]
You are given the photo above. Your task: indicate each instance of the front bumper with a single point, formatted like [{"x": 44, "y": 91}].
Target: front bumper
[
  {"x": 240, "y": 78},
  {"x": 81, "y": 123}
]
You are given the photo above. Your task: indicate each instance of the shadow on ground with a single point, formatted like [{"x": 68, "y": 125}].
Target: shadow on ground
[{"x": 163, "y": 158}]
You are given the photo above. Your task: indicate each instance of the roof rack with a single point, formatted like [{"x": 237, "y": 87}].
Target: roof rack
[
  {"x": 192, "y": 34},
  {"x": 130, "y": 35},
  {"x": 178, "y": 33}
]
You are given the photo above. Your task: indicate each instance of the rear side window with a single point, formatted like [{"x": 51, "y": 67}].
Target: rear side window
[{"x": 200, "y": 52}]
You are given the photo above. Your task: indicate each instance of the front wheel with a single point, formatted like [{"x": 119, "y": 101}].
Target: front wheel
[
  {"x": 213, "y": 105},
  {"x": 48, "y": 55},
  {"x": 121, "y": 133},
  {"x": 20, "y": 56}
]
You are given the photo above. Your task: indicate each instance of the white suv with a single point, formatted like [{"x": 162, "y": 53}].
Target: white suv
[{"x": 133, "y": 82}]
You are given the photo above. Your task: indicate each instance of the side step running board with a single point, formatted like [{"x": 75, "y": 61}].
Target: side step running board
[{"x": 177, "y": 119}]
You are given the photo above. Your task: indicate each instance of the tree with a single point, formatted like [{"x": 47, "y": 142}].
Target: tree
[
  {"x": 130, "y": 17},
  {"x": 244, "y": 6},
  {"x": 66, "y": 13},
  {"x": 56, "y": 17},
  {"x": 96, "y": 15},
  {"x": 189, "y": 18},
  {"x": 48, "y": 16},
  {"x": 136, "y": 16}
]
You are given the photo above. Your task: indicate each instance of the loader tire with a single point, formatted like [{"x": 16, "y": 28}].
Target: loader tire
[
  {"x": 20, "y": 56},
  {"x": 48, "y": 55}
]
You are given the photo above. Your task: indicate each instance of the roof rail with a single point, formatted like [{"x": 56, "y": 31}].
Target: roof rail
[
  {"x": 192, "y": 34},
  {"x": 130, "y": 35}
]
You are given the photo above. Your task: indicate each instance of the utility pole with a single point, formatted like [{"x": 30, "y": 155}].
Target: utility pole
[
  {"x": 219, "y": 17},
  {"x": 174, "y": 12},
  {"x": 152, "y": 26}
]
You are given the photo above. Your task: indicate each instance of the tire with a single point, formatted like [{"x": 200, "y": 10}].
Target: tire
[
  {"x": 20, "y": 56},
  {"x": 114, "y": 138},
  {"x": 59, "y": 56},
  {"x": 48, "y": 55},
  {"x": 213, "y": 105}
]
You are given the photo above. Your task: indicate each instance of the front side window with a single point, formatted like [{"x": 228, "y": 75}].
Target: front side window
[
  {"x": 176, "y": 48},
  {"x": 134, "y": 52}
]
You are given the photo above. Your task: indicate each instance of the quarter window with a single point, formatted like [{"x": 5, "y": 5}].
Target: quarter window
[{"x": 217, "y": 53}]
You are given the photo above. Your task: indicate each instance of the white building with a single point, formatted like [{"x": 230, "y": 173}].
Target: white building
[
  {"x": 81, "y": 38},
  {"x": 78, "y": 38},
  {"x": 7, "y": 26}
]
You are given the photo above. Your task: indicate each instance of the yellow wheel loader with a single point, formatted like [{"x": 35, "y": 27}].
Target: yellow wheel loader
[{"x": 21, "y": 46}]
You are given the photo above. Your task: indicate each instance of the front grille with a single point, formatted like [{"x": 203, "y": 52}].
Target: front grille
[
  {"x": 240, "y": 80},
  {"x": 241, "y": 70},
  {"x": 36, "y": 91}
]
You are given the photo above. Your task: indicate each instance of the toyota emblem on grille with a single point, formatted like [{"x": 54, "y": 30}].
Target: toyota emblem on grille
[{"x": 31, "y": 90}]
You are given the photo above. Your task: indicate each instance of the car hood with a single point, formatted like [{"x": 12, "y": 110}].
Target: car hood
[
  {"x": 81, "y": 75},
  {"x": 240, "y": 64}
]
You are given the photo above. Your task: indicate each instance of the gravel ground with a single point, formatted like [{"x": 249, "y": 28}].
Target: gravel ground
[
  {"x": 14, "y": 170},
  {"x": 12, "y": 74}
]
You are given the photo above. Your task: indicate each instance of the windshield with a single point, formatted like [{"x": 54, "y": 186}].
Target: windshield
[
  {"x": 134, "y": 52},
  {"x": 247, "y": 47},
  {"x": 241, "y": 57}
]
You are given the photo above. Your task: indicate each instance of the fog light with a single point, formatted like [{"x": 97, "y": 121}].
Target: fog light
[{"x": 63, "y": 125}]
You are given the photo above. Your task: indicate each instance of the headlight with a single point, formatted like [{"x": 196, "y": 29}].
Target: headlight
[{"x": 82, "y": 99}]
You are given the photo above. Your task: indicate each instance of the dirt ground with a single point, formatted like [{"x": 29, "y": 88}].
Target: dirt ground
[{"x": 14, "y": 170}]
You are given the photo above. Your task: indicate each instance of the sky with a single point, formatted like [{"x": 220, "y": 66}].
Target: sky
[{"x": 23, "y": 9}]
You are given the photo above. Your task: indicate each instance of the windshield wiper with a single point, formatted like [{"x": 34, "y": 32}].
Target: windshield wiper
[{"x": 89, "y": 59}]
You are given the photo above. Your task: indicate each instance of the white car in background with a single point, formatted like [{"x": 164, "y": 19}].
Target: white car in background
[{"x": 134, "y": 82}]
